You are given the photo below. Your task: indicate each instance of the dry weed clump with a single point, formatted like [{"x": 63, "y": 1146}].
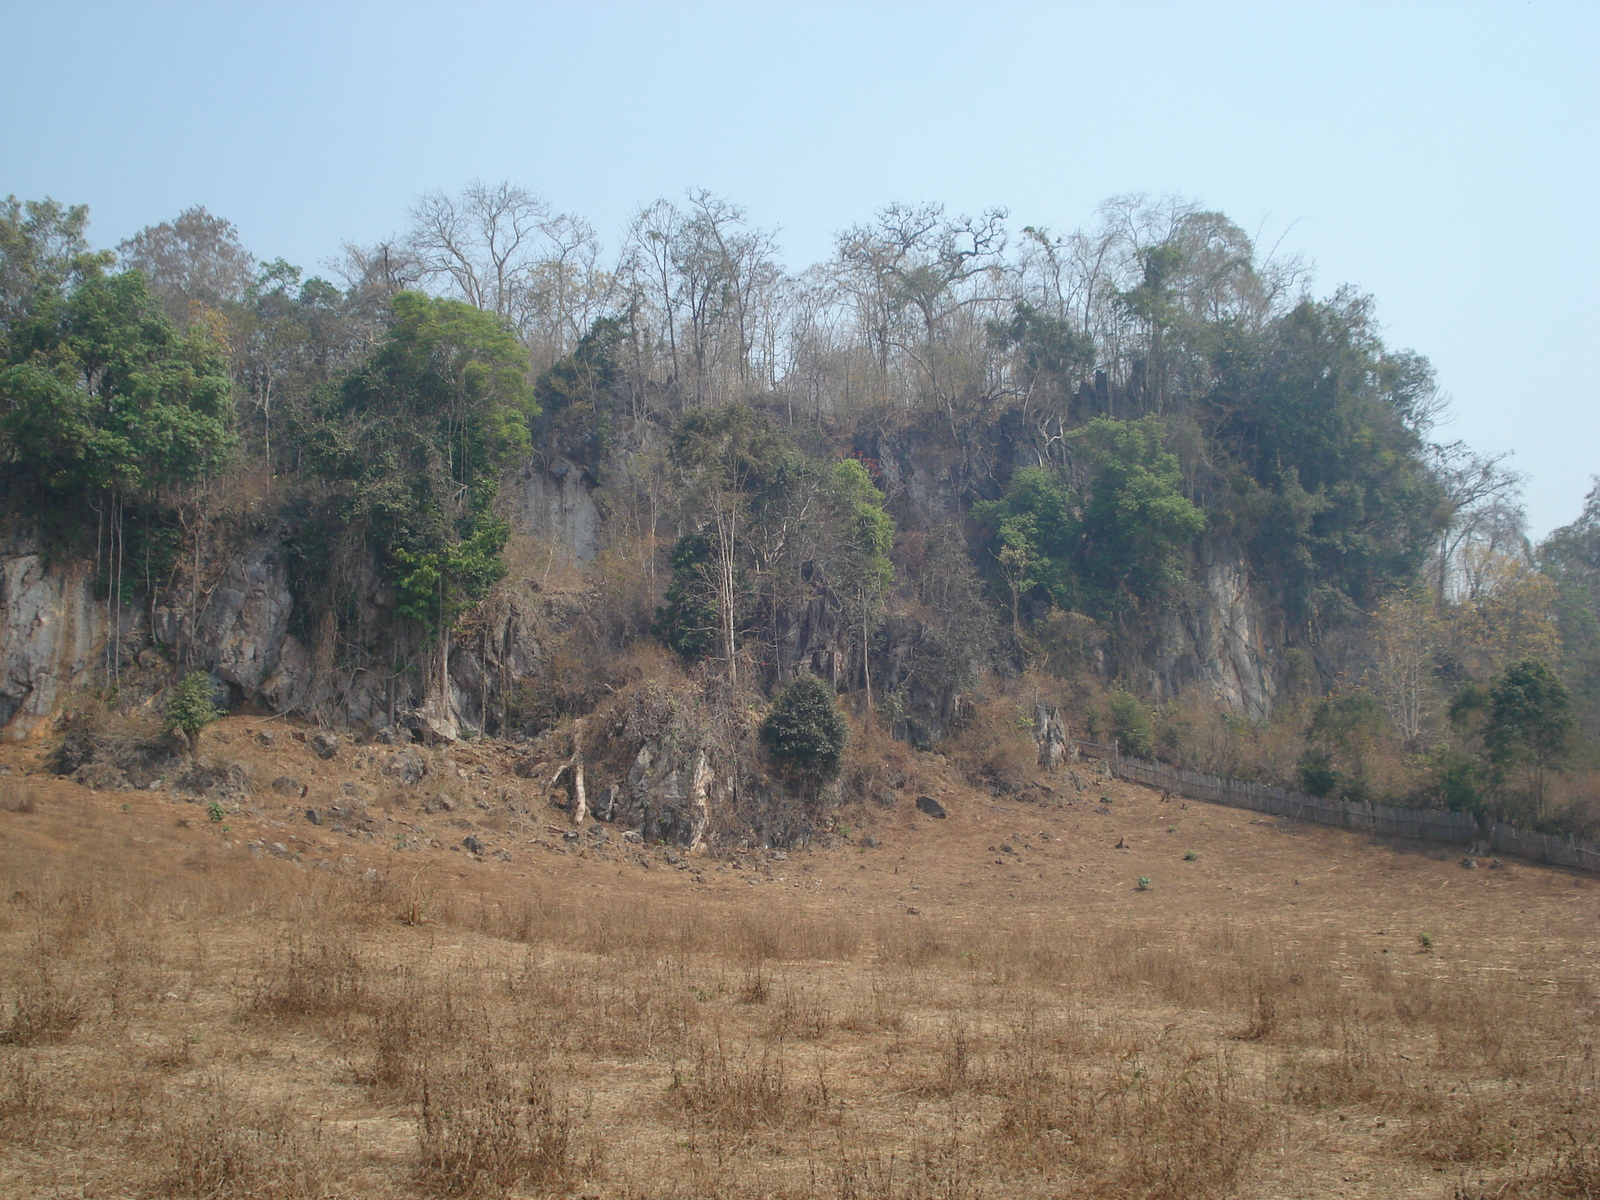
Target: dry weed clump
[
  {"x": 486, "y": 1129},
  {"x": 46, "y": 1006},
  {"x": 218, "y": 1148},
  {"x": 745, "y": 1088},
  {"x": 324, "y": 979}
]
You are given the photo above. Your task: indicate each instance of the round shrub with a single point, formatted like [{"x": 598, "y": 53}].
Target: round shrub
[
  {"x": 189, "y": 707},
  {"x": 805, "y": 732}
]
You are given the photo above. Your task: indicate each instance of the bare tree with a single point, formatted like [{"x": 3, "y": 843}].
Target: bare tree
[
  {"x": 193, "y": 262},
  {"x": 1480, "y": 512}
]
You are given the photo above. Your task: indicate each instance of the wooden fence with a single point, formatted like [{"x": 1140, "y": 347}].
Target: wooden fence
[{"x": 1431, "y": 825}]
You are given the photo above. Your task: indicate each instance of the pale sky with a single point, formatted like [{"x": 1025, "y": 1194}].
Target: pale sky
[{"x": 1442, "y": 156}]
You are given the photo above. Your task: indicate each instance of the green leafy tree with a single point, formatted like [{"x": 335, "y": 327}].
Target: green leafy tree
[
  {"x": 101, "y": 394},
  {"x": 736, "y": 472},
  {"x": 189, "y": 707},
  {"x": 1130, "y": 724},
  {"x": 1340, "y": 737},
  {"x": 44, "y": 253},
  {"x": 577, "y": 393},
  {"x": 412, "y": 445},
  {"x": 418, "y": 437},
  {"x": 1317, "y": 429},
  {"x": 1034, "y": 538},
  {"x": 805, "y": 732},
  {"x": 862, "y": 568},
  {"x": 687, "y": 619},
  {"x": 1528, "y": 727},
  {"x": 1570, "y": 557},
  {"x": 1136, "y": 520}
]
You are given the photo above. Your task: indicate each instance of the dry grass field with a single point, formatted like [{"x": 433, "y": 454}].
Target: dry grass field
[{"x": 983, "y": 1006}]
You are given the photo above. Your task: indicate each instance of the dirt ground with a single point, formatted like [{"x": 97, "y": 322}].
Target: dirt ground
[{"x": 234, "y": 1000}]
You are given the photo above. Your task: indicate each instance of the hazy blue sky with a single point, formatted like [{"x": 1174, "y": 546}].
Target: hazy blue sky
[{"x": 1443, "y": 157}]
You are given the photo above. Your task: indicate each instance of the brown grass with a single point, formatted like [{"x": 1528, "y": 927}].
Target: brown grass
[{"x": 179, "y": 1016}]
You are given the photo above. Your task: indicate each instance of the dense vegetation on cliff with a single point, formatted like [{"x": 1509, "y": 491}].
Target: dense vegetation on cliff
[{"x": 1141, "y": 470}]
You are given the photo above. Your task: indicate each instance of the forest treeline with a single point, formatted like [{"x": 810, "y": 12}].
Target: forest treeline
[{"x": 956, "y": 463}]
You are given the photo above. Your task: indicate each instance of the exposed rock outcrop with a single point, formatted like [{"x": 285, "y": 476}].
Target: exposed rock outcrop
[
  {"x": 52, "y": 638},
  {"x": 1220, "y": 637},
  {"x": 242, "y": 631}
]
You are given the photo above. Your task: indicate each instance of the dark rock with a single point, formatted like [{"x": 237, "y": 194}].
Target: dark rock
[
  {"x": 604, "y": 807},
  {"x": 217, "y": 781},
  {"x": 1005, "y": 848},
  {"x": 266, "y": 737},
  {"x": 472, "y": 843},
  {"x": 100, "y": 777},
  {"x": 288, "y": 785},
  {"x": 570, "y": 835},
  {"x": 870, "y": 842},
  {"x": 313, "y": 816},
  {"x": 633, "y": 837},
  {"x": 325, "y": 744},
  {"x": 406, "y": 766},
  {"x": 931, "y": 806}
]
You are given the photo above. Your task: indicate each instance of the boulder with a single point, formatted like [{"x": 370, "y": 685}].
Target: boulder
[{"x": 405, "y": 766}]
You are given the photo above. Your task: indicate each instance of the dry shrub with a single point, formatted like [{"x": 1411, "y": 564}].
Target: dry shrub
[
  {"x": 1466, "y": 1130},
  {"x": 484, "y": 1129},
  {"x": 1572, "y": 1173},
  {"x": 322, "y": 980},
  {"x": 877, "y": 1008},
  {"x": 995, "y": 747},
  {"x": 933, "y": 1169},
  {"x": 17, "y": 798},
  {"x": 739, "y": 1090},
  {"x": 1358, "y": 1072},
  {"x": 221, "y": 1149},
  {"x": 105, "y": 748},
  {"x": 1187, "y": 1134},
  {"x": 24, "y": 1099},
  {"x": 44, "y": 1009},
  {"x": 755, "y": 987},
  {"x": 800, "y": 1014}
]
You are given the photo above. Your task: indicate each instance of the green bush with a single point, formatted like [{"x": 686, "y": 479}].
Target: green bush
[
  {"x": 805, "y": 732},
  {"x": 1130, "y": 725},
  {"x": 189, "y": 707}
]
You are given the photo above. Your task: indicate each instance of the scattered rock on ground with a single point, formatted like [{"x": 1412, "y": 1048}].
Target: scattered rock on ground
[
  {"x": 930, "y": 806},
  {"x": 325, "y": 744}
]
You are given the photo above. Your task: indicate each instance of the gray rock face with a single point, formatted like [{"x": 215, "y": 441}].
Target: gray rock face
[
  {"x": 52, "y": 638},
  {"x": 668, "y": 793},
  {"x": 1219, "y": 637},
  {"x": 243, "y": 627},
  {"x": 559, "y": 509},
  {"x": 1051, "y": 736}
]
